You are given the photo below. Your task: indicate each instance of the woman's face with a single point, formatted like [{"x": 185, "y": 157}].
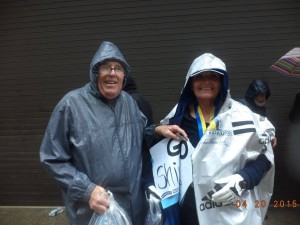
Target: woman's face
[{"x": 206, "y": 86}]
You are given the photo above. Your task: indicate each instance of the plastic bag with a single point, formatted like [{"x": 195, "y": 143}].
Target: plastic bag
[
  {"x": 154, "y": 214},
  {"x": 114, "y": 215}
]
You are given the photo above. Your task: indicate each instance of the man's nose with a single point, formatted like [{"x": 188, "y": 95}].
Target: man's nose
[{"x": 112, "y": 71}]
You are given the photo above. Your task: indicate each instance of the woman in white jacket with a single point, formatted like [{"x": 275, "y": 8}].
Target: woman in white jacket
[{"x": 233, "y": 165}]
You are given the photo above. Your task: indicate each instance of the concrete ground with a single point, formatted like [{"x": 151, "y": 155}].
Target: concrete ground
[{"x": 39, "y": 216}]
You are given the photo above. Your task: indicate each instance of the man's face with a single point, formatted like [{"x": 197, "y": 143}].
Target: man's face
[{"x": 110, "y": 79}]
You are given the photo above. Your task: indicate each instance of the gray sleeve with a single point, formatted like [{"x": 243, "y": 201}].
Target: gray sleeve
[{"x": 55, "y": 155}]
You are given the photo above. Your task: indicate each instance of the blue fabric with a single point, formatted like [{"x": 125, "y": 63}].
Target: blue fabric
[
  {"x": 171, "y": 215},
  {"x": 255, "y": 170}
]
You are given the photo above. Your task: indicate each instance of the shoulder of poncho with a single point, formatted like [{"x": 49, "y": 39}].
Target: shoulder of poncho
[
  {"x": 73, "y": 94},
  {"x": 240, "y": 107},
  {"x": 124, "y": 96},
  {"x": 242, "y": 111}
]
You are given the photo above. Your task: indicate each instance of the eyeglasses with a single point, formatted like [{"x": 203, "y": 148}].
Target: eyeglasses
[
  {"x": 212, "y": 76},
  {"x": 107, "y": 70}
]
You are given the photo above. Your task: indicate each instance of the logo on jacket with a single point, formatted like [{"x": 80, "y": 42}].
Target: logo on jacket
[
  {"x": 207, "y": 202},
  {"x": 216, "y": 128},
  {"x": 215, "y": 124}
]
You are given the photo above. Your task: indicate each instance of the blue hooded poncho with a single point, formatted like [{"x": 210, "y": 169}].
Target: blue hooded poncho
[{"x": 93, "y": 141}]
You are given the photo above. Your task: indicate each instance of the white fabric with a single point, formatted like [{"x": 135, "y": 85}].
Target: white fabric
[
  {"x": 170, "y": 115},
  {"x": 223, "y": 152},
  {"x": 207, "y": 62}
]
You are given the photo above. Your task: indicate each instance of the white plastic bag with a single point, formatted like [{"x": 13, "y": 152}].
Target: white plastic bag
[
  {"x": 114, "y": 215},
  {"x": 154, "y": 214}
]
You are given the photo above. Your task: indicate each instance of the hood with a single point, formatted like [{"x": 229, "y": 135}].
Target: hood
[
  {"x": 130, "y": 85},
  {"x": 257, "y": 87},
  {"x": 205, "y": 62},
  {"x": 106, "y": 52}
]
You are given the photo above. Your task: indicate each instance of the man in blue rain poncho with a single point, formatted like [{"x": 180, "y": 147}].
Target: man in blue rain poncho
[
  {"x": 256, "y": 97},
  {"x": 226, "y": 168},
  {"x": 93, "y": 142}
]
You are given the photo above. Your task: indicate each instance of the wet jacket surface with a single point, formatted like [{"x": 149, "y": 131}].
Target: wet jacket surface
[
  {"x": 256, "y": 88},
  {"x": 94, "y": 141},
  {"x": 252, "y": 172}
]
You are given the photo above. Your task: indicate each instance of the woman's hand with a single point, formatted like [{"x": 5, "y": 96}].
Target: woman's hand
[{"x": 171, "y": 131}]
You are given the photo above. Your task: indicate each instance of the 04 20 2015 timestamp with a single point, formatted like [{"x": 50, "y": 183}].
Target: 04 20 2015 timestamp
[{"x": 263, "y": 203}]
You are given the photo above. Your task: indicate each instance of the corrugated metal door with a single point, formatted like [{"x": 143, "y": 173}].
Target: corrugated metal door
[{"x": 47, "y": 46}]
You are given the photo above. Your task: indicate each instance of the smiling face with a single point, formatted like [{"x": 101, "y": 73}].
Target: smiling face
[
  {"x": 206, "y": 86},
  {"x": 110, "y": 79}
]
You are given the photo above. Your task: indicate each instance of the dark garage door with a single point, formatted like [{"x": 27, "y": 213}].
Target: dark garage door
[{"x": 47, "y": 46}]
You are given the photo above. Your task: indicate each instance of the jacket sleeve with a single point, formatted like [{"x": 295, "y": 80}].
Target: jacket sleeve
[
  {"x": 255, "y": 170},
  {"x": 150, "y": 138},
  {"x": 56, "y": 156}
]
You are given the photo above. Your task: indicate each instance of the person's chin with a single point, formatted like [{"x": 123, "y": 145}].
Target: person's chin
[
  {"x": 207, "y": 95},
  {"x": 110, "y": 94}
]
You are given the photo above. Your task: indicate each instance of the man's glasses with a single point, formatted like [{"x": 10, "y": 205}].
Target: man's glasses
[
  {"x": 107, "y": 70},
  {"x": 212, "y": 76}
]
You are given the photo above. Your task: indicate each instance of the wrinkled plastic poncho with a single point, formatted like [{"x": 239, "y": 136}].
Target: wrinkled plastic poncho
[
  {"x": 93, "y": 141},
  {"x": 240, "y": 136},
  {"x": 235, "y": 137}
]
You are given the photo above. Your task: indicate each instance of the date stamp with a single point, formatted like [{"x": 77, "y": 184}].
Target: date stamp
[
  {"x": 263, "y": 203},
  {"x": 285, "y": 203}
]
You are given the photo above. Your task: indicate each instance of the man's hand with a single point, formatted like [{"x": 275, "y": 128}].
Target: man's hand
[
  {"x": 171, "y": 131},
  {"x": 99, "y": 200},
  {"x": 231, "y": 192}
]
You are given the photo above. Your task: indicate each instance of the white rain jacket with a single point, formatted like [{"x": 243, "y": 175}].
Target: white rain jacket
[
  {"x": 240, "y": 137},
  {"x": 235, "y": 137},
  {"x": 94, "y": 141}
]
